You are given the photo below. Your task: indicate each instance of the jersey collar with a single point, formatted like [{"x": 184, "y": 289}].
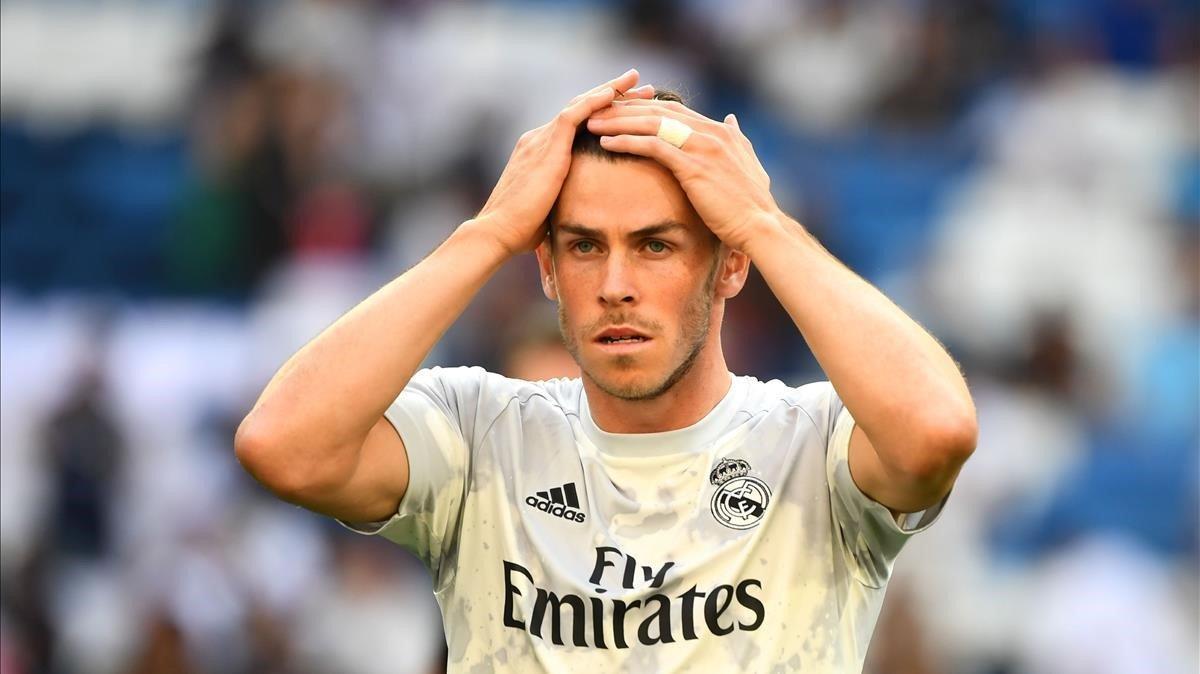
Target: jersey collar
[{"x": 691, "y": 439}]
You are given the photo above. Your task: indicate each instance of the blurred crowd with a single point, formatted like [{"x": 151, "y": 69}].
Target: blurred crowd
[{"x": 190, "y": 190}]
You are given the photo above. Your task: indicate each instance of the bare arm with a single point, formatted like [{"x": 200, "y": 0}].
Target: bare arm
[
  {"x": 317, "y": 436},
  {"x": 915, "y": 421}
]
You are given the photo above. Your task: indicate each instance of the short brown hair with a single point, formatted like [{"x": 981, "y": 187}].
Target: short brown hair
[{"x": 588, "y": 144}]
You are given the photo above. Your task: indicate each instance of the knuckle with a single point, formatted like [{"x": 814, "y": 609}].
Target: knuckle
[
  {"x": 705, "y": 143},
  {"x": 690, "y": 167},
  {"x": 563, "y": 118}
]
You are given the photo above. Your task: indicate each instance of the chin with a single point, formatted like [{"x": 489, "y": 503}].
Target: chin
[{"x": 629, "y": 385}]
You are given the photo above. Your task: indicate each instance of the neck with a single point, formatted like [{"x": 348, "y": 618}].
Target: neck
[{"x": 685, "y": 403}]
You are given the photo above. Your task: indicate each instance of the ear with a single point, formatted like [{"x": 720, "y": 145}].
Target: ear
[
  {"x": 546, "y": 269},
  {"x": 735, "y": 268}
]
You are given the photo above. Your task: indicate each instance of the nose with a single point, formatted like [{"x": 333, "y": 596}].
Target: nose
[{"x": 617, "y": 286}]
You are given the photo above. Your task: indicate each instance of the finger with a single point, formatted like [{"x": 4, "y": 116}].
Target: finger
[
  {"x": 645, "y": 125},
  {"x": 732, "y": 120},
  {"x": 626, "y": 81},
  {"x": 650, "y": 147},
  {"x": 668, "y": 105},
  {"x": 581, "y": 107},
  {"x": 574, "y": 114},
  {"x": 622, "y": 83},
  {"x": 628, "y": 109},
  {"x": 644, "y": 91}
]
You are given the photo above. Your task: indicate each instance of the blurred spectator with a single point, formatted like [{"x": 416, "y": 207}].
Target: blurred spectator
[
  {"x": 85, "y": 453},
  {"x": 1078, "y": 619},
  {"x": 375, "y": 598},
  {"x": 959, "y": 48},
  {"x": 164, "y": 651},
  {"x": 271, "y": 129},
  {"x": 901, "y": 646},
  {"x": 534, "y": 349},
  {"x": 824, "y": 63},
  {"x": 1069, "y": 215}
]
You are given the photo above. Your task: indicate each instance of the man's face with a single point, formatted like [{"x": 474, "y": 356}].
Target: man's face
[{"x": 633, "y": 270}]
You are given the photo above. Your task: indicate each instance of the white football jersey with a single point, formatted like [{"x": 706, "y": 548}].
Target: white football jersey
[{"x": 737, "y": 544}]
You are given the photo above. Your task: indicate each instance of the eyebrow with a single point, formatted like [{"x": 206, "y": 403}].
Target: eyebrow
[{"x": 642, "y": 232}]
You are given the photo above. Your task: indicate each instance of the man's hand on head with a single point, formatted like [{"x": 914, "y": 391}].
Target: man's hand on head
[
  {"x": 516, "y": 211},
  {"x": 716, "y": 166}
]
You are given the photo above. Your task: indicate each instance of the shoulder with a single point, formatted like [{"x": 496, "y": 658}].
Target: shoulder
[
  {"x": 815, "y": 400},
  {"x": 495, "y": 391},
  {"x": 767, "y": 395}
]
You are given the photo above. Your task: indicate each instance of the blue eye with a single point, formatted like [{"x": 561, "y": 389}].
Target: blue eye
[
  {"x": 657, "y": 247},
  {"x": 584, "y": 246}
]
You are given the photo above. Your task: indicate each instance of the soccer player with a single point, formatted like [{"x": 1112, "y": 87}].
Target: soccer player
[{"x": 659, "y": 513}]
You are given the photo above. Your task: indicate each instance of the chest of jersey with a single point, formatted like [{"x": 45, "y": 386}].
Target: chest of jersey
[{"x": 574, "y": 549}]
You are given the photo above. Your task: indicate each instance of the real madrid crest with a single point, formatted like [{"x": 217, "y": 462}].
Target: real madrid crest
[{"x": 740, "y": 500}]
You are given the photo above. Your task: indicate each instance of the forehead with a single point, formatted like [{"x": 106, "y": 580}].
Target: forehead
[{"x": 617, "y": 197}]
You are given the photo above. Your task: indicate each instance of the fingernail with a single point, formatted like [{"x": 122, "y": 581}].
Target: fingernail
[{"x": 605, "y": 140}]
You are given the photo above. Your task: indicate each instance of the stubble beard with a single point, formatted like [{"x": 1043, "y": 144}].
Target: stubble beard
[{"x": 697, "y": 320}]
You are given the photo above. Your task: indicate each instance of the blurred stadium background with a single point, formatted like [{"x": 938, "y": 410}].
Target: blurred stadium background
[{"x": 191, "y": 189}]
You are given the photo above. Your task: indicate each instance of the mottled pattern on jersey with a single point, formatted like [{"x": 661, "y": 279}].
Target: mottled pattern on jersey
[{"x": 740, "y": 543}]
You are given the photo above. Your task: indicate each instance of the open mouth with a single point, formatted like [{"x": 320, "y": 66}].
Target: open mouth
[
  {"x": 620, "y": 336},
  {"x": 633, "y": 339}
]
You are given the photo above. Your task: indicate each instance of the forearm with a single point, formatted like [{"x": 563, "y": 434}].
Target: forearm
[
  {"x": 904, "y": 390},
  {"x": 331, "y": 392}
]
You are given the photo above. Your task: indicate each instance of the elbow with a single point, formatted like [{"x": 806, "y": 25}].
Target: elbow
[
  {"x": 957, "y": 442},
  {"x": 254, "y": 447},
  {"x": 944, "y": 445},
  {"x": 264, "y": 454}
]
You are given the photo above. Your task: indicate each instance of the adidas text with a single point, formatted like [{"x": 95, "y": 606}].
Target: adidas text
[
  {"x": 556, "y": 509},
  {"x": 561, "y": 501}
]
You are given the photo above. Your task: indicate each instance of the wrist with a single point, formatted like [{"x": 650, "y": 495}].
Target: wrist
[
  {"x": 512, "y": 237},
  {"x": 480, "y": 235},
  {"x": 765, "y": 229},
  {"x": 782, "y": 243}
]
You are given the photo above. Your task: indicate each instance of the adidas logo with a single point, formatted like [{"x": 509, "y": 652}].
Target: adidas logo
[{"x": 560, "y": 501}]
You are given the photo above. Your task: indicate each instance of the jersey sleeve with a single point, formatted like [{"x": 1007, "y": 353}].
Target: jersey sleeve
[
  {"x": 435, "y": 415},
  {"x": 870, "y": 535}
]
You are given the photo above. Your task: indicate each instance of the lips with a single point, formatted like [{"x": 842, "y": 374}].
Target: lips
[{"x": 621, "y": 335}]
